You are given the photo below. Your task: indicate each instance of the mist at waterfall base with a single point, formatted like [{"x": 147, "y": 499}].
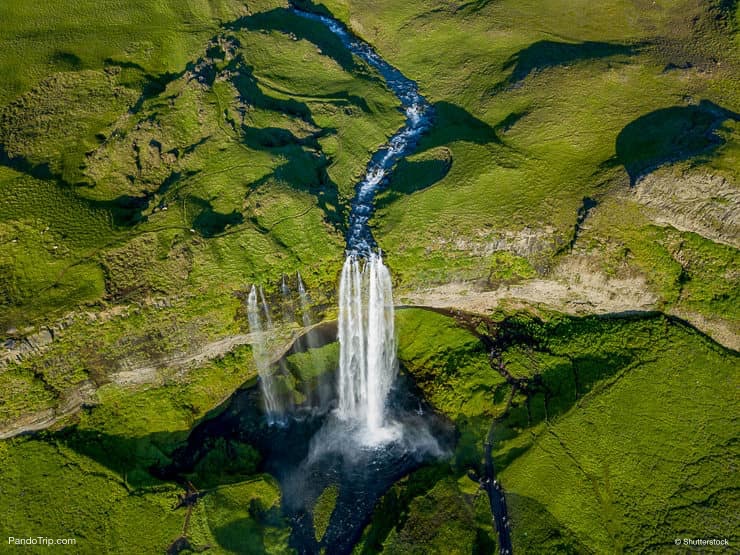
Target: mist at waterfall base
[{"x": 368, "y": 429}]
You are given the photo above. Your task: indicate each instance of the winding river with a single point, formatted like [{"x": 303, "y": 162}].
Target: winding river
[{"x": 418, "y": 120}]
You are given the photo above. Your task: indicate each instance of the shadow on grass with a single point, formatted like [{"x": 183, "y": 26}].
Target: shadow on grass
[
  {"x": 306, "y": 171},
  {"x": 535, "y": 529},
  {"x": 241, "y": 536},
  {"x": 284, "y": 21},
  {"x": 269, "y": 138},
  {"x": 671, "y": 135},
  {"x": 247, "y": 86},
  {"x": 409, "y": 177},
  {"x": 208, "y": 222},
  {"x": 129, "y": 457},
  {"x": 545, "y": 54},
  {"x": 453, "y": 123}
]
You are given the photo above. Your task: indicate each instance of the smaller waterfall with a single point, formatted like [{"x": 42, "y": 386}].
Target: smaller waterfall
[
  {"x": 255, "y": 311},
  {"x": 367, "y": 343},
  {"x": 265, "y": 308},
  {"x": 305, "y": 302},
  {"x": 287, "y": 301}
]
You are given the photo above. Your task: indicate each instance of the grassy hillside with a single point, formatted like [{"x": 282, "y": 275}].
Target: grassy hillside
[
  {"x": 616, "y": 438},
  {"x": 543, "y": 105},
  {"x": 158, "y": 158}
]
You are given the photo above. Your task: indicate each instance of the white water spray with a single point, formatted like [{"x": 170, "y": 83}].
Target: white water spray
[
  {"x": 367, "y": 343},
  {"x": 266, "y": 309},
  {"x": 259, "y": 348},
  {"x": 287, "y": 301},
  {"x": 305, "y": 302}
]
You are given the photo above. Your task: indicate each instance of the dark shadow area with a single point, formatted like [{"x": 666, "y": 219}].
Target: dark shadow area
[
  {"x": 393, "y": 508},
  {"x": 409, "y": 177},
  {"x": 190, "y": 148},
  {"x": 553, "y": 389},
  {"x": 307, "y": 171},
  {"x": 241, "y": 536},
  {"x": 23, "y": 165},
  {"x": 474, "y": 6},
  {"x": 583, "y": 212},
  {"x": 250, "y": 93},
  {"x": 67, "y": 61},
  {"x": 453, "y": 123},
  {"x": 545, "y": 54},
  {"x": 139, "y": 78},
  {"x": 208, "y": 222},
  {"x": 125, "y": 210},
  {"x": 544, "y": 533},
  {"x": 670, "y": 135},
  {"x": 270, "y": 138},
  {"x": 508, "y": 122},
  {"x": 284, "y": 21},
  {"x": 129, "y": 457}
]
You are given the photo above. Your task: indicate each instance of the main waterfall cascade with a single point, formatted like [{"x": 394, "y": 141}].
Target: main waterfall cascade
[
  {"x": 367, "y": 343},
  {"x": 367, "y": 359}
]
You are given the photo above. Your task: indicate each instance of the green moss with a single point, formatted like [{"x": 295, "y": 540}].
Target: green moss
[
  {"x": 224, "y": 462},
  {"x": 310, "y": 364},
  {"x": 323, "y": 509},
  {"x": 569, "y": 429},
  {"x": 245, "y": 518},
  {"x": 102, "y": 514},
  {"x": 595, "y": 463},
  {"x": 440, "y": 521},
  {"x": 507, "y": 267}
]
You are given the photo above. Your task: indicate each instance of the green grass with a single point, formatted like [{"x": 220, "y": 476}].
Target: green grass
[
  {"x": 621, "y": 441},
  {"x": 430, "y": 512},
  {"x": 49, "y": 490},
  {"x": 449, "y": 364},
  {"x": 686, "y": 270},
  {"x": 157, "y": 37},
  {"x": 313, "y": 363},
  {"x": 106, "y": 457},
  {"x": 243, "y": 518},
  {"x": 614, "y": 479},
  {"x": 170, "y": 183},
  {"x": 185, "y": 150},
  {"x": 323, "y": 509}
]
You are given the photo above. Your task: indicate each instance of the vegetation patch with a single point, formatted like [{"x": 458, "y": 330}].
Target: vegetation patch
[{"x": 322, "y": 510}]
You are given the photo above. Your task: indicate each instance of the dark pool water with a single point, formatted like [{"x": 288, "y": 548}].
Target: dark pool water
[{"x": 313, "y": 450}]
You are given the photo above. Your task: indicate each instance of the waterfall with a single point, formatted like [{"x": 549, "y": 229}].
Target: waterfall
[
  {"x": 266, "y": 309},
  {"x": 367, "y": 344},
  {"x": 305, "y": 302},
  {"x": 255, "y": 310},
  {"x": 287, "y": 301}
]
